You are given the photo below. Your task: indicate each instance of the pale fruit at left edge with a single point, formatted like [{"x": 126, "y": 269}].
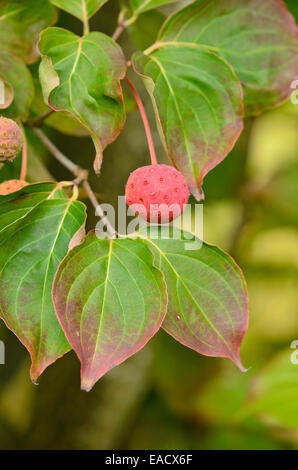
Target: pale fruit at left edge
[
  {"x": 11, "y": 140},
  {"x": 11, "y": 186}
]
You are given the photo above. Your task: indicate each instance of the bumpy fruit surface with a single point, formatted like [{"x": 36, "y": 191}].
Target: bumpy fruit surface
[
  {"x": 11, "y": 186},
  {"x": 11, "y": 140},
  {"x": 157, "y": 193}
]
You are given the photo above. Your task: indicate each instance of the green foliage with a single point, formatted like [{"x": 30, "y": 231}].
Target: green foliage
[
  {"x": 20, "y": 92},
  {"x": 82, "y": 9},
  {"x": 206, "y": 67},
  {"x": 207, "y": 309},
  {"x": 81, "y": 76},
  {"x": 21, "y": 21},
  {"x": 198, "y": 102},
  {"x": 30, "y": 256},
  {"x": 63, "y": 121},
  {"x": 140, "y": 6},
  {"x": 105, "y": 324},
  {"x": 248, "y": 35}
]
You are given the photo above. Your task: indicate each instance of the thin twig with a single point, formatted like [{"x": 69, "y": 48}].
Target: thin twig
[
  {"x": 81, "y": 177},
  {"x": 110, "y": 229},
  {"x": 39, "y": 120},
  {"x": 118, "y": 31},
  {"x": 120, "y": 27},
  {"x": 145, "y": 121},
  {"x": 122, "y": 24},
  {"x": 56, "y": 152}
]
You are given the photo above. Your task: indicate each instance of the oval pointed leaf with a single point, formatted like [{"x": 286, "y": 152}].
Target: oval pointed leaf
[
  {"x": 18, "y": 94},
  {"x": 82, "y": 9},
  {"x": 259, "y": 39},
  {"x": 82, "y": 76},
  {"x": 110, "y": 300},
  {"x": 31, "y": 249},
  {"x": 208, "y": 307},
  {"x": 198, "y": 102},
  {"x": 21, "y": 21}
]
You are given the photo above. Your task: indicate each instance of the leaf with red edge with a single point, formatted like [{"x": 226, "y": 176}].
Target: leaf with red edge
[
  {"x": 110, "y": 300},
  {"x": 81, "y": 75},
  {"x": 258, "y": 38},
  {"x": 39, "y": 227},
  {"x": 208, "y": 302},
  {"x": 198, "y": 102}
]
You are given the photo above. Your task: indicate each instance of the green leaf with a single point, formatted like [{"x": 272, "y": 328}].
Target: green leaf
[
  {"x": 62, "y": 121},
  {"x": 82, "y": 9},
  {"x": 16, "y": 205},
  {"x": 21, "y": 21},
  {"x": 207, "y": 308},
  {"x": 82, "y": 76},
  {"x": 198, "y": 103},
  {"x": 110, "y": 300},
  {"x": 259, "y": 39},
  {"x": 274, "y": 391},
  {"x": 18, "y": 93},
  {"x": 32, "y": 247},
  {"x": 140, "y": 6}
]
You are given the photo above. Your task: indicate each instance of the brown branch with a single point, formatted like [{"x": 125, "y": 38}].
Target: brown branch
[
  {"x": 39, "y": 120},
  {"x": 81, "y": 177}
]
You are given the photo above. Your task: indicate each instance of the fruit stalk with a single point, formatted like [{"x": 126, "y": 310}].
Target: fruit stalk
[{"x": 145, "y": 121}]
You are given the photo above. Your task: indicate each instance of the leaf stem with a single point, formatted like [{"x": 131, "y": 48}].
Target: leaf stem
[
  {"x": 122, "y": 24},
  {"x": 110, "y": 229},
  {"x": 81, "y": 177},
  {"x": 145, "y": 121},
  {"x": 85, "y": 18},
  {"x": 86, "y": 27}
]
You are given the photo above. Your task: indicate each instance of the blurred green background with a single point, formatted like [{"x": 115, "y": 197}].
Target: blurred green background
[{"x": 166, "y": 396}]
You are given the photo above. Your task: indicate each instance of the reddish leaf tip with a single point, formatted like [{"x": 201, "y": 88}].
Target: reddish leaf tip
[
  {"x": 237, "y": 361},
  {"x": 197, "y": 193},
  {"x": 88, "y": 381},
  {"x": 35, "y": 373},
  {"x": 86, "y": 387}
]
